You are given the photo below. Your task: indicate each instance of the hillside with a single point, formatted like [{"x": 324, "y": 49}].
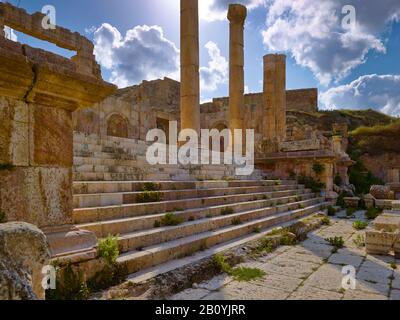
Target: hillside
[
  {"x": 373, "y": 142},
  {"x": 377, "y": 140},
  {"x": 323, "y": 120}
]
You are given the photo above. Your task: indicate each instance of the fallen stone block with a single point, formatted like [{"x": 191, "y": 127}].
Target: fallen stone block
[
  {"x": 380, "y": 242},
  {"x": 383, "y": 204},
  {"x": 396, "y": 205},
  {"x": 382, "y": 192},
  {"x": 352, "y": 202},
  {"x": 387, "y": 222}
]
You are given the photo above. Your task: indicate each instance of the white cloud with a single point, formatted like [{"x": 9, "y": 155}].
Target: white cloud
[
  {"x": 10, "y": 34},
  {"x": 216, "y": 73},
  {"x": 143, "y": 54},
  {"x": 379, "y": 92},
  {"x": 90, "y": 30},
  {"x": 212, "y": 10},
  {"x": 312, "y": 33}
]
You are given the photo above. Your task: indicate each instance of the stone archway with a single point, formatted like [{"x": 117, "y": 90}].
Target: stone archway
[{"x": 117, "y": 126}]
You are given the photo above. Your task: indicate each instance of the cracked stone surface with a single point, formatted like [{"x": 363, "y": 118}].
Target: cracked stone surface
[{"x": 310, "y": 271}]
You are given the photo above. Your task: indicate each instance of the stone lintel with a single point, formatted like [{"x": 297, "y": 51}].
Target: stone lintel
[
  {"x": 54, "y": 83},
  {"x": 20, "y": 20}
]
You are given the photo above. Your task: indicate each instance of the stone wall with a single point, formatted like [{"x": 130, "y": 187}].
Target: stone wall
[
  {"x": 382, "y": 166},
  {"x": 302, "y": 100},
  {"x": 145, "y": 106},
  {"x": 137, "y": 108},
  {"x": 39, "y": 91}
]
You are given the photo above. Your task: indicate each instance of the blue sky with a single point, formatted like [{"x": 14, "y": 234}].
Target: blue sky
[{"x": 358, "y": 68}]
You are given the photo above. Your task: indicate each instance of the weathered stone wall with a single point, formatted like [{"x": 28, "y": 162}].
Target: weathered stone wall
[
  {"x": 381, "y": 166},
  {"x": 140, "y": 106},
  {"x": 302, "y": 100},
  {"x": 39, "y": 91}
]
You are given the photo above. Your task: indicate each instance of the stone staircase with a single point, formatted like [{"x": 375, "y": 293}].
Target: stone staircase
[
  {"x": 211, "y": 213},
  {"x": 118, "y": 159}
]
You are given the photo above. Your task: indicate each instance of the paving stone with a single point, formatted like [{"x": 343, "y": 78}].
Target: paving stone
[
  {"x": 328, "y": 277},
  {"x": 280, "y": 282},
  {"x": 346, "y": 258},
  {"x": 299, "y": 273},
  {"x": 190, "y": 294},
  {"x": 375, "y": 275},
  {"x": 216, "y": 283},
  {"x": 318, "y": 249},
  {"x": 361, "y": 295},
  {"x": 289, "y": 267},
  {"x": 396, "y": 281},
  {"x": 316, "y": 239},
  {"x": 374, "y": 261},
  {"x": 312, "y": 293},
  {"x": 335, "y": 233},
  {"x": 395, "y": 295},
  {"x": 247, "y": 291},
  {"x": 351, "y": 245},
  {"x": 372, "y": 287},
  {"x": 300, "y": 254}
]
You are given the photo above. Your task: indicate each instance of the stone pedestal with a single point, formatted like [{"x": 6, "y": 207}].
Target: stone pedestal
[
  {"x": 274, "y": 123},
  {"x": 38, "y": 93},
  {"x": 237, "y": 16},
  {"x": 190, "y": 77}
]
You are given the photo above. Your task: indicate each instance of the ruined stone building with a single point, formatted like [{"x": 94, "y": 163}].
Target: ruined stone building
[{"x": 73, "y": 151}]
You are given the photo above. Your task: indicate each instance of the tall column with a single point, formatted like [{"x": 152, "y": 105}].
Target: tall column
[
  {"x": 275, "y": 99},
  {"x": 236, "y": 15},
  {"x": 190, "y": 78}
]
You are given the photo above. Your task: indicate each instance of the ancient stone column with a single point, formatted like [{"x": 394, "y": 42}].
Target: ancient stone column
[
  {"x": 190, "y": 78},
  {"x": 274, "y": 100},
  {"x": 236, "y": 15}
]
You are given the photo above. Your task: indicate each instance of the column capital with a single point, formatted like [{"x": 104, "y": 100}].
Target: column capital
[{"x": 237, "y": 13}]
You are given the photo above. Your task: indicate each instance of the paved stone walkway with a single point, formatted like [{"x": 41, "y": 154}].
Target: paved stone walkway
[{"x": 309, "y": 271}]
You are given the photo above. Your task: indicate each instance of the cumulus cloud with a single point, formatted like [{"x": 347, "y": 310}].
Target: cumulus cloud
[
  {"x": 312, "y": 33},
  {"x": 10, "y": 34},
  {"x": 379, "y": 92},
  {"x": 142, "y": 54},
  {"x": 211, "y": 10},
  {"x": 216, "y": 73}
]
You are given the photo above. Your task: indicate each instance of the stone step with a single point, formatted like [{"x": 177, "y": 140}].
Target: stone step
[
  {"x": 144, "y": 275},
  {"x": 146, "y": 238},
  {"x": 102, "y": 155},
  {"x": 90, "y": 187},
  {"x": 101, "y": 176},
  {"x": 107, "y": 199},
  {"x": 79, "y": 161},
  {"x": 126, "y": 225},
  {"x": 175, "y": 249},
  {"x": 106, "y": 169},
  {"x": 86, "y": 215}
]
